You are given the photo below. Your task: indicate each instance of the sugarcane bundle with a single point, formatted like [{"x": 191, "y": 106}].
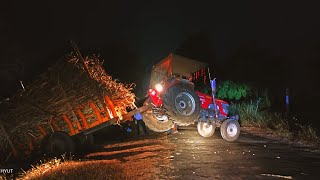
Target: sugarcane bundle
[
  {"x": 67, "y": 85},
  {"x": 119, "y": 93}
]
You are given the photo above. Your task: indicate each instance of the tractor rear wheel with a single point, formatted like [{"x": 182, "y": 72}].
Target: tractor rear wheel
[{"x": 182, "y": 104}]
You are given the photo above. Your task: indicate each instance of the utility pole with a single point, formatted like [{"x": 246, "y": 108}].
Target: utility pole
[{"x": 287, "y": 101}]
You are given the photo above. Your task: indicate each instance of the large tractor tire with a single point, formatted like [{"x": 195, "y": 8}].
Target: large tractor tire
[
  {"x": 230, "y": 130},
  {"x": 156, "y": 124},
  {"x": 206, "y": 129},
  {"x": 58, "y": 143},
  {"x": 182, "y": 105}
]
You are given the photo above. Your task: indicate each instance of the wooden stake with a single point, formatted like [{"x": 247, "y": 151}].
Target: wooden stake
[{"x": 68, "y": 102}]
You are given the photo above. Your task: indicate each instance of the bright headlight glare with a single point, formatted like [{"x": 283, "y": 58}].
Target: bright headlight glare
[{"x": 158, "y": 87}]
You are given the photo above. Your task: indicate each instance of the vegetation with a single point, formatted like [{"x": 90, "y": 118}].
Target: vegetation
[
  {"x": 139, "y": 159},
  {"x": 39, "y": 169},
  {"x": 253, "y": 109},
  {"x": 251, "y": 115},
  {"x": 232, "y": 91}
]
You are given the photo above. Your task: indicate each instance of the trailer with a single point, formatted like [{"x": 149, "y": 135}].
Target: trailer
[{"x": 63, "y": 107}]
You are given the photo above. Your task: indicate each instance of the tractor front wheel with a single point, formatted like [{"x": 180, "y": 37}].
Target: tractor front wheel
[
  {"x": 206, "y": 129},
  {"x": 230, "y": 130}
]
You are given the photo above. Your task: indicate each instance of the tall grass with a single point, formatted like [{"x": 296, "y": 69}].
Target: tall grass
[
  {"x": 37, "y": 171},
  {"x": 249, "y": 103},
  {"x": 251, "y": 115},
  {"x": 308, "y": 133}
]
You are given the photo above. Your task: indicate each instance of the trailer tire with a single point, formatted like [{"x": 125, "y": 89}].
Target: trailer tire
[
  {"x": 230, "y": 130},
  {"x": 84, "y": 141},
  {"x": 58, "y": 143},
  {"x": 89, "y": 139},
  {"x": 44, "y": 143},
  {"x": 154, "y": 124},
  {"x": 182, "y": 104}
]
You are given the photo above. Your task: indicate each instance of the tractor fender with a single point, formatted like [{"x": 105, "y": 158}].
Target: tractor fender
[{"x": 177, "y": 81}]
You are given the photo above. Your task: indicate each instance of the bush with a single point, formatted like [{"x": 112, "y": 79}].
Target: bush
[
  {"x": 250, "y": 115},
  {"x": 306, "y": 133},
  {"x": 232, "y": 91},
  {"x": 252, "y": 111}
]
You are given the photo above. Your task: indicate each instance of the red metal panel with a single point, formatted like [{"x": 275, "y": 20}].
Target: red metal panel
[
  {"x": 66, "y": 119},
  {"x": 96, "y": 111},
  {"x": 111, "y": 106},
  {"x": 83, "y": 119}
]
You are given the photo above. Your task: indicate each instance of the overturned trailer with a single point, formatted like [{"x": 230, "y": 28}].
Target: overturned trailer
[{"x": 73, "y": 99}]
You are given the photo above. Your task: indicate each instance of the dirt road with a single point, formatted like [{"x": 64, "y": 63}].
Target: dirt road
[
  {"x": 250, "y": 157},
  {"x": 187, "y": 155}
]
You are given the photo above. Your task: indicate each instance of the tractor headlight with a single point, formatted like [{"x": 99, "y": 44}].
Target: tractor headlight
[{"x": 158, "y": 87}]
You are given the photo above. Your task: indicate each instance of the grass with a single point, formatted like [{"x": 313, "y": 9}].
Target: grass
[
  {"x": 250, "y": 115},
  {"x": 58, "y": 169},
  {"x": 136, "y": 159},
  {"x": 308, "y": 134},
  {"x": 38, "y": 170}
]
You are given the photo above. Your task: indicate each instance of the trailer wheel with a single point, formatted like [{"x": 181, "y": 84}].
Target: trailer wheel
[
  {"x": 90, "y": 139},
  {"x": 84, "y": 141},
  {"x": 156, "y": 124},
  {"x": 206, "y": 129},
  {"x": 182, "y": 105},
  {"x": 230, "y": 130},
  {"x": 44, "y": 144},
  {"x": 58, "y": 143}
]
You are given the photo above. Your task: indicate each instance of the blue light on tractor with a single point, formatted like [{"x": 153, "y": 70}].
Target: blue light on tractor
[{"x": 213, "y": 84}]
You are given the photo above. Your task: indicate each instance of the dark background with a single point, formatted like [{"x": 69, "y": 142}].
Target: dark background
[{"x": 273, "y": 45}]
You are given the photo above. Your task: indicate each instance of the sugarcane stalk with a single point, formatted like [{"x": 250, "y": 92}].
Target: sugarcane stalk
[
  {"x": 85, "y": 66},
  {"x": 5, "y": 134}
]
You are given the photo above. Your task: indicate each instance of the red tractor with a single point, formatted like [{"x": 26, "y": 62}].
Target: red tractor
[{"x": 172, "y": 99}]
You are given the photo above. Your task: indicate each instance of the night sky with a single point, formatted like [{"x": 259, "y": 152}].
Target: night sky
[{"x": 272, "y": 44}]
